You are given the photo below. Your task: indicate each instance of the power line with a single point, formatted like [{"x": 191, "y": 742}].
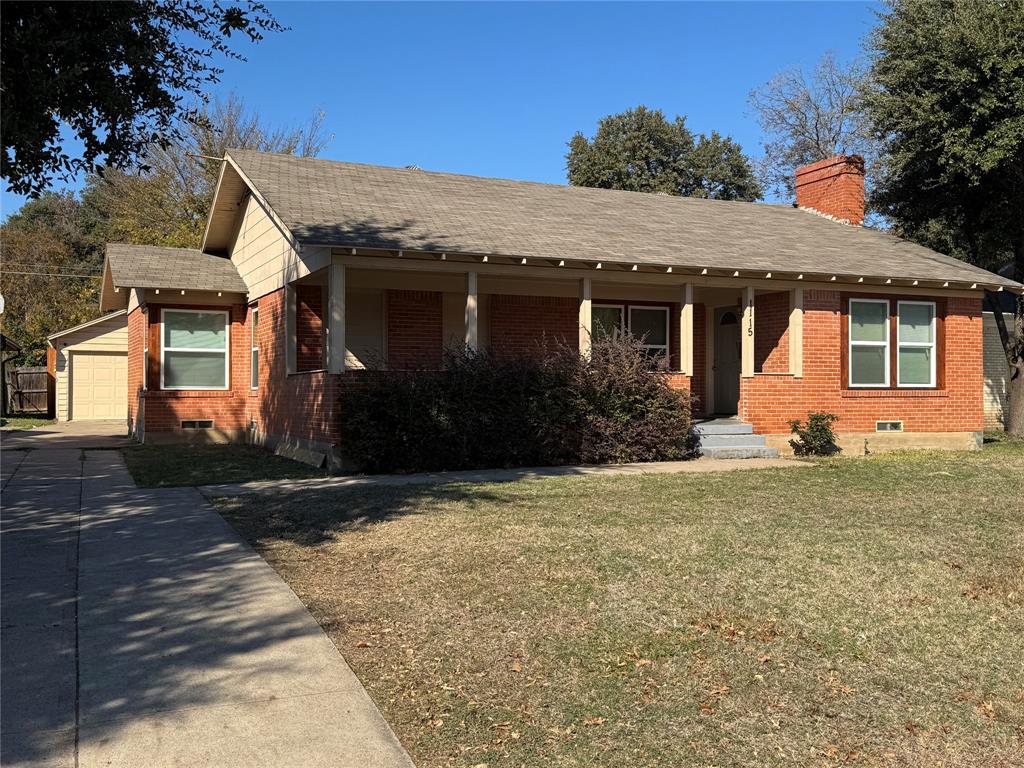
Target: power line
[{"x": 48, "y": 274}]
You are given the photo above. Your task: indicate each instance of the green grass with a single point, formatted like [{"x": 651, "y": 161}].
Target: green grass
[
  {"x": 863, "y": 612},
  {"x": 23, "y": 422},
  {"x": 161, "y": 466}
]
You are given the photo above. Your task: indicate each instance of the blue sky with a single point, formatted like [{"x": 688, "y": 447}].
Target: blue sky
[{"x": 497, "y": 89}]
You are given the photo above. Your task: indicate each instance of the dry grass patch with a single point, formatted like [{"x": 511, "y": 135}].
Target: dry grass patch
[{"x": 866, "y": 612}]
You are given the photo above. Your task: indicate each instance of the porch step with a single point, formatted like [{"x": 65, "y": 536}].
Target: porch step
[
  {"x": 724, "y": 427},
  {"x": 732, "y": 439},
  {"x": 737, "y": 452}
]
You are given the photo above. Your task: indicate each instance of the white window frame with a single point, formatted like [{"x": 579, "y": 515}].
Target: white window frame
[
  {"x": 850, "y": 343},
  {"x": 933, "y": 345},
  {"x": 668, "y": 329},
  {"x": 622, "y": 314},
  {"x": 254, "y": 347},
  {"x": 226, "y": 351}
]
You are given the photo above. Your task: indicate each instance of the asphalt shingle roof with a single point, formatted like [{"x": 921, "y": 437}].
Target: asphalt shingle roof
[
  {"x": 151, "y": 266},
  {"x": 324, "y": 202}
]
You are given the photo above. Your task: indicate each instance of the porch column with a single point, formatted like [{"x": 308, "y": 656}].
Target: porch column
[
  {"x": 586, "y": 316},
  {"x": 336, "y": 318},
  {"x": 472, "y": 312},
  {"x": 796, "y": 332},
  {"x": 747, "y": 334},
  {"x": 686, "y": 331}
]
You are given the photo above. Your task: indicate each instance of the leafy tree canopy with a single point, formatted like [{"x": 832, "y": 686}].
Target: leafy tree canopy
[
  {"x": 52, "y": 261},
  {"x": 119, "y": 76},
  {"x": 641, "y": 151},
  {"x": 946, "y": 99}
]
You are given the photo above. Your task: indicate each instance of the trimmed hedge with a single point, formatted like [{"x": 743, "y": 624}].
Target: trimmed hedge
[{"x": 482, "y": 411}]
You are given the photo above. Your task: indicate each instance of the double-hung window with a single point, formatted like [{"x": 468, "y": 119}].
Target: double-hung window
[
  {"x": 869, "y": 343},
  {"x": 915, "y": 354},
  {"x": 145, "y": 349},
  {"x": 254, "y": 349},
  {"x": 194, "y": 352}
]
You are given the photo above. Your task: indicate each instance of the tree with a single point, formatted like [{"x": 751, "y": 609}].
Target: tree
[
  {"x": 641, "y": 151},
  {"x": 946, "y": 101},
  {"x": 165, "y": 201},
  {"x": 51, "y": 276},
  {"x": 808, "y": 117},
  {"x": 119, "y": 76}
]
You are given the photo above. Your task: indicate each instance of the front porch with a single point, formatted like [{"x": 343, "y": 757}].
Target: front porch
[{"x": 365, "y": 312}]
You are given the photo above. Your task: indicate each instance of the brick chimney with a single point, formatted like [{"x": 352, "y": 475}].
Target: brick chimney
[{"x": 833, "y": 187}]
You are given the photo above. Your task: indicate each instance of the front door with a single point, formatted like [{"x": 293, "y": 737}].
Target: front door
[{"x": 727, "y": 360}]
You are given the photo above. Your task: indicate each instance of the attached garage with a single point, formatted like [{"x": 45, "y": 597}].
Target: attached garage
[{"x": 91, "y": 369}]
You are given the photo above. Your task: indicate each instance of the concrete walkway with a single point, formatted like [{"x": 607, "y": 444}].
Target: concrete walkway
[
  {"x": 139, "y": 629},
  {"x": 69, "y": 434},
  {"x": 501, "y": 475}
]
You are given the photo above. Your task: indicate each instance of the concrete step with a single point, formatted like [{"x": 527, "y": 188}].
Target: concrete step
[
  {"x": 740, "y": 452},
  {"x": 744, "y": 440},
  {"x": 723, "y": 427}
]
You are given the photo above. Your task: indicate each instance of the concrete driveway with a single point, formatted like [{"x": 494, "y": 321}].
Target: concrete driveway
[{"x": 139, "y": 629}]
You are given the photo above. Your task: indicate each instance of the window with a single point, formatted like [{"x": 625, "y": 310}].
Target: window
[
  {"x": 607, "y": 321},
  {"x": 869, "y": 343},
  {"x": 254, "y": 350},
  {"x": 145, "y": 349},
  {"x": 650, "y": 325},
  {"x": 194, "y": 353},
  {"x": 915, "y": 335}
]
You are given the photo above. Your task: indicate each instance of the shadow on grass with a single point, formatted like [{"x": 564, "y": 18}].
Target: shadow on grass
[{"x": 309, "y": 518}]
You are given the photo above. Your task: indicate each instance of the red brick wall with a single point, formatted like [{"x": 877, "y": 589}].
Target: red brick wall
[
  {"x": 834, "y": 186},
  {"x": 309, "y": 327},
  {"x": 300, "y": 406},
  {"x": 165, "y": 409},
  {"x": 520, "y": 324},
  {"x": 415, "y": 329},
  {"x": 771, "y": 333},
  {"x": 768, "y": 402}
]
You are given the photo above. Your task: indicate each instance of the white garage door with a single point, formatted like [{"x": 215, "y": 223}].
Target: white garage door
[{"x": 99, "y": 385}]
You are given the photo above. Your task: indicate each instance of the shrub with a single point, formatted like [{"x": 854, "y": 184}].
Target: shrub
[
  {"x": 549, "y": 408},
  {"x": 816, "y": 438}
]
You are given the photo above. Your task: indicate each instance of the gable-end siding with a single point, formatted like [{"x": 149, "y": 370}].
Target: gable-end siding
[
  {"x": 108, "y": 336},
  {"x": 264, "y": 255}
]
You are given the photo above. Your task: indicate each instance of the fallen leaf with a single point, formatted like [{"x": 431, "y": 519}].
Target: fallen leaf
[
  {"x": 594, "y": 721},
  {"x": 362, "y": 644}
]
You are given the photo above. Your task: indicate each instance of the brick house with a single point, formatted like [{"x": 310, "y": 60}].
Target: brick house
[{"x": 311, "y": 271}]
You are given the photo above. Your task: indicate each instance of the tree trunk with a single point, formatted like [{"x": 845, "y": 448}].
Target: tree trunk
[{"x": 1015, "y": 408}]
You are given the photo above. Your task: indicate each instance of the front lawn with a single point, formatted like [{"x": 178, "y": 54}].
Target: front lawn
[
  {"x": 864, "y": 612},
  {"x": 161, "y": 466}
]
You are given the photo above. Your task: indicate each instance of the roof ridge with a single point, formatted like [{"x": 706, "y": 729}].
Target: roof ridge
[{"x": 503, "y": 180}]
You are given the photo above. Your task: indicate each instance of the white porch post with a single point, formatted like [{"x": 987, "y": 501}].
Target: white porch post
[
  {"x": 686, "y": 331},
  {"x": 586, "y": 316},
  {"x": 472, "y": 312},
  {"x": 336, "y": 318},
  {"x": 747, "y": 334},
  {"x": 796, "y": 332}
]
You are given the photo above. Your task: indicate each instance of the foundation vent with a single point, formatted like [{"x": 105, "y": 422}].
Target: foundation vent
[{"x": 197, "y": 424}]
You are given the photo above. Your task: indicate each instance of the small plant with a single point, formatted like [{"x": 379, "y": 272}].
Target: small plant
[{"x": 816, "y": 438}]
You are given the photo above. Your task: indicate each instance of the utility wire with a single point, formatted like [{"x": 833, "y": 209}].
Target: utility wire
[{"x": 48, "y": 274}]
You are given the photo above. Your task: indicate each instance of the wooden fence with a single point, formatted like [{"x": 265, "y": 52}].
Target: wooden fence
[{"x": 27, "y": 391}]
